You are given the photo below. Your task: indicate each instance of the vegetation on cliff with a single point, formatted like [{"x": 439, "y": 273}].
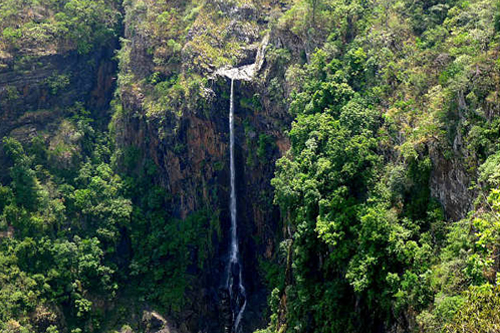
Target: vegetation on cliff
[
  {"x": 387, "y": 185},
  {"x": 34, "y": 28},
  {"x": 392, "y": 88}
]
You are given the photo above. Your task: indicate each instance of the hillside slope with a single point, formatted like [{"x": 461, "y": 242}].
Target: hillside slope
[{"x": 367, "y": 165}]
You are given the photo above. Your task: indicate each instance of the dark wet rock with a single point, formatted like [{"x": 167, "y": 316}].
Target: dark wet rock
[{"x": 225, "y": 310}]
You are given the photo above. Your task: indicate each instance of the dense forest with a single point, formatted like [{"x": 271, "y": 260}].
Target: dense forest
[{"x": 299, "y": 165}]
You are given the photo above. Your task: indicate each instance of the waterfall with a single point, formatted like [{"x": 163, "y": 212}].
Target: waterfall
[{"x": 234, "y": 282}]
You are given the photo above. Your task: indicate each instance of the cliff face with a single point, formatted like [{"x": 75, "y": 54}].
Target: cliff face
[
  {"x": 188, "y": 139},
  {"x": 37, "y": 93},
  {"x": 175, "y": 110},
  {"x": 450, "y": 185}
]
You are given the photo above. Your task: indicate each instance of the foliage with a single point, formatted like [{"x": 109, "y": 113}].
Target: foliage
[
  {"x": 71, "y": 24},
  {"x": 70, "y": 223},
  {"x": 479, "y": 313},
  {"x": 391, "y": 101},
  {"x": 372, "y": 106}
]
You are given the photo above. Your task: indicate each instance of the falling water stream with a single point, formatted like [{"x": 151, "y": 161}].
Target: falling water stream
[{"x": 234, "y": 283}]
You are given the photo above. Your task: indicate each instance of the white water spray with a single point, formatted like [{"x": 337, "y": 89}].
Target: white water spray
[{"x": 236, "y": 290}]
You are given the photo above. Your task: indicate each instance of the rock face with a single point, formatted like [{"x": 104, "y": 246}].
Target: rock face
[
  {"x": 247, "y": 72},
  {"x": 198, "y": 176},
  {"x": 36, "y": 95},
  {"x": 450, "y": 184},
  {"x": 191, "y": 148},
  {"x": 54, "y": 82}
]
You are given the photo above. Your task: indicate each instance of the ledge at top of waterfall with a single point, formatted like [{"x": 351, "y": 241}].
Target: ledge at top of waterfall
[{"x": 246, "y": 72}]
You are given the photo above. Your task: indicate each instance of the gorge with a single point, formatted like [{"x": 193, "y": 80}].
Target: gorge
[{"x": 241, "y": 166}]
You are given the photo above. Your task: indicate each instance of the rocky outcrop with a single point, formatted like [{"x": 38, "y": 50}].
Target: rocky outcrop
[
  {"x": 44, "y": 87},
  {"x": 153, "y": 322},
  {"x": 37, "y": 94},
  {"x": 247, "y": 72},
  {"x": 450, "y": 184}
]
